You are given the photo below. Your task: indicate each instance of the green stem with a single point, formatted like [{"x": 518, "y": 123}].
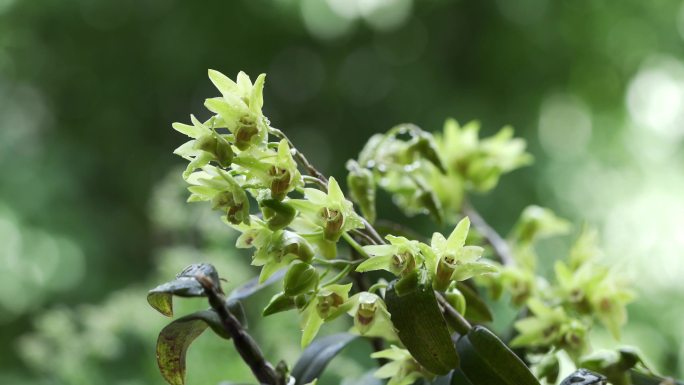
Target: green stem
[
  {"x": 339, "y": 263},
  {"x": 340, "y": 276},
  {"x": 377, "y": 286},
  {"x": 355, "y": 245},
  {"x": 453, "y": 317}
]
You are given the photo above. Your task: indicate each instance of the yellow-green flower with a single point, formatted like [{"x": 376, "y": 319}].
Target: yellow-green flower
[
  {"x": 400, "y": 257},
  {"x": 325, "y": 305},
  {"x": 449, "y": 259},
  {"x": 239, "y": 108},
  {"x": 325, "y": 217},
  {"x": 401, "y": 369}
]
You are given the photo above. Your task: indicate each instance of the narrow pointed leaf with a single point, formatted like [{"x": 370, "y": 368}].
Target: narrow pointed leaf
[
  {"x": 317, "y": 356},
  {"x": 486, "y": 360},
  {"x": 458, "y": 378},
  {"x": 421, "y": 326}
]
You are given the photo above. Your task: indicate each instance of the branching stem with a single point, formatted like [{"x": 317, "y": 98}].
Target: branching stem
[
  {"x": 458, "y": 322},
  {"x": 499, "y": 244},
  {"x": 355, "y": 245},
  {"x": 245, "y": 345}
]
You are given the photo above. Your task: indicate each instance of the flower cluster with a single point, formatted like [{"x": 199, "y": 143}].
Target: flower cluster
[
  {"x": 431, "y": 174},
  {"x": 563, "y": 310},
  {"x": 249, "y": 172},
  {"x": 233, "y": 165},
  {"x": 447, "y": 260}
]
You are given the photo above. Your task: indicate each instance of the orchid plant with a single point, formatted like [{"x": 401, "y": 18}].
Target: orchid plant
[{"x": 422, "y": 302}]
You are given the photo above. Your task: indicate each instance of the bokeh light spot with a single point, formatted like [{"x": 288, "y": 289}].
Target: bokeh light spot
[
  {"x": 564, "y": 126},
  {"x": 385, "y": 14},
  {"x": 655, "y": 97},
  {"x": 322, "y": 21}
]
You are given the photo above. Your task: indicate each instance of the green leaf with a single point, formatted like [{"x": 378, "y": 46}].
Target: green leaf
[
  {"x": 486, "y": 360},
  {"x": 477, "y": 310},
  {"x": 459, "y": 378},
  {"x": 176, "y": 337},
  {"x": 317, "y": 356},
  {"x": 421, "y": 326},
  {"x": 185, "y": 285}
]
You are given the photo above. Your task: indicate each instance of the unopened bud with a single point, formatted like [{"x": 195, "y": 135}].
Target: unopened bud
[
  {"x": 456, "y": 299},
  {"x": 300, "y": 278},
  {"x": 424, "y": 144},
  {"x": 301, "y": 301},
  {"x": 279, "y": 303},
  {"x": 431, "y": 204},
  {"x": 276, "y": 213},
  {"x": 362, "y": 189},
  {"x": 293, "y": 243}
]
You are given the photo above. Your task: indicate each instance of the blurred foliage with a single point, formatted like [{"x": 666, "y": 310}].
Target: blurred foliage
[{"x": 88, "y": 89}]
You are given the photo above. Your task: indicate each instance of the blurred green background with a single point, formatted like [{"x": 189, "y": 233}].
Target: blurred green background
[{"x": 92, "y": 210}]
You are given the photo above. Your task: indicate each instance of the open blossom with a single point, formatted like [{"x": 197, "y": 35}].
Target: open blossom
[
  {"x": 325, "y": 217},
  {"x": 325, "y": 305},
  {"x": 400, "y": 257},
  {"x": 402, "y": 368},
  {"x": 449, "y": 259},
  {"x": 239, "y": 108}
]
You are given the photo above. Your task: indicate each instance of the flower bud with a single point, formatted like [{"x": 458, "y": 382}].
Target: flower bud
[
  {"x": 328, "y": 302},
  {"x": 424, "y": 144},
  {"x": 445, "y": 268},
  {"x": 276, "y": 213},
  {"x": 301, "y": 301},
  {"x": 431, "y": 204},
  {"x": 300, "y": 278},
  {"x": 220, "y": 149},
  {"x": 293, "y": 243},
  {"x": 244, "y": 134},
  {"x": 235, "y": 205},
  {"x": 333, "y": 221},
  {"x": 456, "y": 299},
  {"x": 280, "y": 182},
  {"x": 362, "y": 189},
  {"x": 279, "y": 303}
]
